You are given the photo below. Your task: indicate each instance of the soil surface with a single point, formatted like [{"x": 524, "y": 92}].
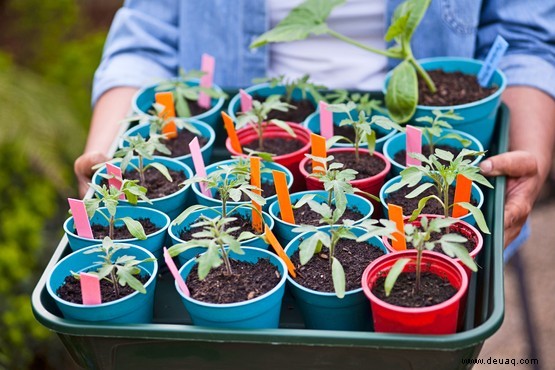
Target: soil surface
[
  {"x": 158, "y": 186},
  {"x": 433, "y": 290},
  {"x": 70, "y": 291},
  {"x": 453, "y": 88},
  {"x": 401, "y": 156},
  {"x": 180, "y": 145},
  {"x": 367, "y": 165},
  {"x": 276, "y": 145},
  {"x": 306, "y": 216},
  {"x": 248, "y": 281},
  {"x": 304, "y": 108},
  {"x": 268, "y": 189},
  {"x": 354, "y": 258},
  {"x": 243, "y": 223},
  {"x": 121, "y": 232}
]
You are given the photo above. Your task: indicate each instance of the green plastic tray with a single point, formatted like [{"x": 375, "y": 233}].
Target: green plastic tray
[{"x": 171, "y": 342}]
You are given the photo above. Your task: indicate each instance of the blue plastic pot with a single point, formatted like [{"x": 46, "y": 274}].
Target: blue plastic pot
[
  {"x": 312, "y": 123},
  {"x": 479, "y": 117},
  {"x": 205, "y": 130},
  {"x": 134, "y": 308},
  {"x": 266, "y": 177},
  {"x": 398, "y": 142},
  {"x": 153, "y": 242},
  {"x": 475, "y": 193},
  {"x": 264, "y": 90},
  {"x": 326, "y": 311},
  {"x": 172, "y": 204},
  {"x": 258, "y": 313},
  {"x": 176, "y": 230},
  {"x": 284, "y": 230},
  {"x": 145, "y": 97}
]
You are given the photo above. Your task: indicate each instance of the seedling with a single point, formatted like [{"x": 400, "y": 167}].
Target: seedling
[
  {"x": 291, "y": 85},
  {"x": 257, "y": 118},
  {"x": 183, "y": 92},
  {"x": 310, "y": 17},
  {"x": 442, "y": 176},
  {"x": 214, "y": 237},
  {"x": 363, "y": 101},
  {"x": 433, "y": 133},
  {"x": 110, "y": 198},
  {"x": 120, "y": 272},
  {"x": 420, "y": 239},
  {"x": 158, "y": 121}
]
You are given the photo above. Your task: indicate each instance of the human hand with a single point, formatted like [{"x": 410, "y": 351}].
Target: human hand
[
  {"x": 523, "y": 184},
  {"x": 83, "y": 169}
]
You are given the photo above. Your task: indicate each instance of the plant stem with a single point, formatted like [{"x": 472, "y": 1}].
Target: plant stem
[
  {"x": 418, "y": 270},
  {"x": 330, "y": 197},
  {"x": 427, "y": 79},
  {"x": 226, "y": 260},
  {"x": 261, "y": 139},
  {"x": 446, "y": 201},
  {"x": 358, "y": 44},
  {"x": 111, "y": 227},
  {"x": 115, "y": 282},
  {"x": 141, "y": 170}
]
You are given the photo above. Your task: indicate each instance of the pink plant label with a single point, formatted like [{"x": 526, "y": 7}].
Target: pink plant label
[
  {"x": 207, "y": 66},
  {"x": 117, "y": 178},
  {"x": 90, "y": 289},
  {"x": 80, "y": 218},
  {"x": 414, "y": 144},
  {"x": 173, "y": 269},
  {"x": 200, "y": 169},
  {"x": 246, "y": 101},
  {"x": 326, "y": 121}
]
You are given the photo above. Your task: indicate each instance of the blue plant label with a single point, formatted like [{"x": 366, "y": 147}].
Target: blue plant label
[{"x": 492, "y": 60}]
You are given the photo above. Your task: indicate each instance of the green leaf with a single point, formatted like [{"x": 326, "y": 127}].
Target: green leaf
[
  {"x": 444, "y": 154},
  {"x": 207, "y": 261},
  {"x": 134, "y": 227},
  {"x": 307, "y": 248},
  {"x": 421, "y": 204},
  {"x": 401, "y": 96},
  {"x": 162, "y": 169},
  {"x": 419, "y": 190},
  {"x": 371, "y": 141},
  {"x": 187, "y": 212},
  {"x": 338, "y": 276},
  {"x": 478, "y": 216},
  {"x": 396, "y": 28},
  {"x": 125, "y": 277},
  {"x": 284, "y": 126},
  {"x": 394, "y": 273},
  {"x": 416, "y": 13}
]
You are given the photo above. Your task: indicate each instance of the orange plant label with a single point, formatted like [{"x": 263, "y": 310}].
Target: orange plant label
[
  {"x": 463, "y": 189},
  {"x": 256, "y": 181},
  {"x": 166, "y": 99},
  {"x": 279, "y": 250},
  {"x": 285, "y": 208},
  {"x": 396, "y": 215},
  {"x": 231, "y": 133},
  {"x": 318, "y": 150}
]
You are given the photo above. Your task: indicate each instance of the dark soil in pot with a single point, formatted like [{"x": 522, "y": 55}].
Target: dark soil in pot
[
  {"x": 180, "y": 145},
  {"x": 401, "y": 156},
  {"x": 276, "y": 145},
  {"x": 194, "y": 108},
  {"x": 433, "y": 290},
  {"x": 453, "y": 88},
  {"x": 268, "y": 189},
  {"x": 303, "y": 109},
  {"x": 157, "y": 185},
  {"x": 121, "y": 232},
  {"x": 244, "y": 224},
  {"x": 367, "y": 166},
  {"x": 70, "y": 290},
  {"x": 306, "y": 216},
  {"x": 432, "y": 207},
  {"x": 354, "y": 258},
  {"x": 248, "y": 281}
]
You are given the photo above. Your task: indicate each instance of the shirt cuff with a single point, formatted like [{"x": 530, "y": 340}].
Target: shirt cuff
[{"x": 529, "y": 70}]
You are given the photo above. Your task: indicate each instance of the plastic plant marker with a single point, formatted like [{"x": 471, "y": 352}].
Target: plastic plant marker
[
  {"x": 318, "y": 150},
  {"x": 256, "y": 181},
  {"x": 173, "y": 269},
  {"x": 90, "y": 289},
  {"x": 80, "y": 218},
  {"x": 207, "y": 65},
  {"x": 463, "y": 189},
  {"x": 117, "y": 178},
  {"x": 279, "y": 250},
  {"x": 498, "y": 49},
  {"x": 284, "y": 200},
  {"x": 413, "y": 145},
  {"x": 166, "y": 99},
  {"x": 200, "y": 169},
  {"x": 246, "y": 101},
  {"x": 396, "y": 215},
  {"x": 231, "y": 133},
  {"x": 326, "y": 121}
]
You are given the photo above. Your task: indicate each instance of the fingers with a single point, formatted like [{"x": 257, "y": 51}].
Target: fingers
[
  {"x": 517, "y": 210},
  {"x": 83, "y": 169},
  {"x": 513, "y": 164}
]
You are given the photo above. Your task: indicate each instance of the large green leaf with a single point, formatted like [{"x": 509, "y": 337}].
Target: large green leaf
[
  {"x": 134, "y": 227},
  {"x": 394, "y": 274},
  {"x": 401, "y": 96},
  {"x": 338, "y": 277}
]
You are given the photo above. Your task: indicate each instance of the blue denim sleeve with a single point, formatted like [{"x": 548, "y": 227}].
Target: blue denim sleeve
[
  {"x": 141, "y": 46},
  {"x": 529, "y": 27}
]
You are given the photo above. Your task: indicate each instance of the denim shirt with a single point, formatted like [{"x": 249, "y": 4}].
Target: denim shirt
[{"x": 150, "y": 39}]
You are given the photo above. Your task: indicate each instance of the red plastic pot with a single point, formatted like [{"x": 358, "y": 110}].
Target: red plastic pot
[
  {"x": 291, "y": 160},
  {"x": 370, "y": 185},
  {"x": 438, "y": 319}
]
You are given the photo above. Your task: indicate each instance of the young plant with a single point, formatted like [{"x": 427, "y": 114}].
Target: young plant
[
  {"x": 257, "y": 117},
  {"x": 420, "y": 239},
  {"x": 157, "y": 121},
  {"x": 363, "y": 101},
  {"x": 120, "y": 272},
  {"x": 310, "y": 17},
  {"x": 433, "y": 133},
  {"x": 183, "y": 92},
  {"x": 364, "y": 133},
  {"x": 110, "y": 198},
  {"x": 442, "y": 176},
  {"x": 215, "y": 235},
  {"x": 291, "y": 85}
]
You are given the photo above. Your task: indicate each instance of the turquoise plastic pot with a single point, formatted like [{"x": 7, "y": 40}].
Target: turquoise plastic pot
[
  {"x": 475, "y": 193},
  {"x": 258, "y": 313},
  {"x": 325, "y": 311},
  {"x": 284, "y": 230},
  {"x": 479, "y": 117},
  {"x": 176, "y": 230},
  {"x": 172, "y": 204},
  {"x": 398, "y": 142},
  {"x": 264, "y": 90},
  {"x": 153, "y": 242},
  {"x": 268, "y": 177},
  {"x": 312, "y": 123},
  {"x": 205, "y": 130},
  {"x": 145, "y": 97},
  {"x": 134, "y": 308}
]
